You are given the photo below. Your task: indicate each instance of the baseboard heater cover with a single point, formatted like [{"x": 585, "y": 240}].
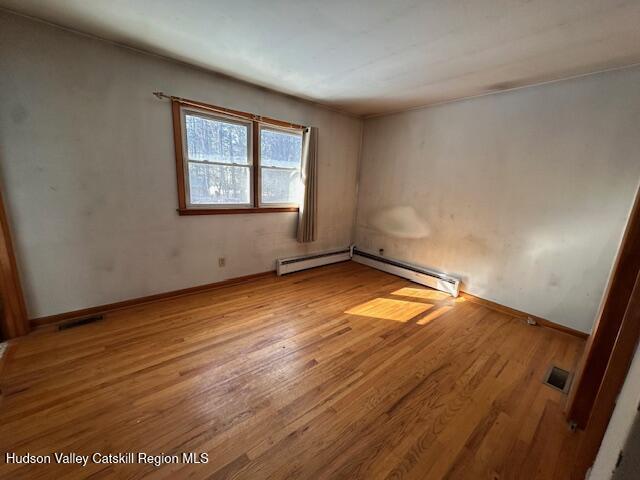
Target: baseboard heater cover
[
  {"x": 415, "y": 273},
  {"x": 304, "y": 262}
]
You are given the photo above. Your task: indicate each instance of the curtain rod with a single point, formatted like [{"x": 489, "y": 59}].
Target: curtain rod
[{"x": 228, "y": 111}]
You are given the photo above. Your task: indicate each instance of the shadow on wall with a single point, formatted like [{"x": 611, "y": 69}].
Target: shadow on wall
[
  {"x": 400, "y": 222},
  {"x": 492, "y": 263},
  {"x": 404, "y": 230}
]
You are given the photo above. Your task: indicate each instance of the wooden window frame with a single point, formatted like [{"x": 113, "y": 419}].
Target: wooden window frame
[
  {"x": 184, "y": 208},
  {"x": 189, "y": 111},
  {"x": 259, "y": 167}
]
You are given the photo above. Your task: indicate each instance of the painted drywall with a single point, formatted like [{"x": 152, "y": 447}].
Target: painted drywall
[
  {"x": 524, "y": 195},
  {"x": 88, "y": 173},
  {"x": 619, "y": 427}
]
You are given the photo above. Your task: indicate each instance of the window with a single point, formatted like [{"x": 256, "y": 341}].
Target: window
[
  {"x": 229, "y": 164},
  {"x": 218, "y": 156},
  {"x": 280, "y": 156}
]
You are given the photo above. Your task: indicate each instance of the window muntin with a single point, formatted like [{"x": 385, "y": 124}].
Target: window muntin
[
  {"x": 216, "y": 140},
  {"x": 218, "y": 164},
  {"x": 280, "y": 162},
  {"x": 229, "y": 165}
]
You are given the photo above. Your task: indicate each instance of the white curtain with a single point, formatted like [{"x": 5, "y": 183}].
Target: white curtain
[{"x": 308, "y": 215}]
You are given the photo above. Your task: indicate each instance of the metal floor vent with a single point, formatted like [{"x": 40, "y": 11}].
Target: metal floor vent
[
  {"x": 558, "y": 378},
  {"x": 79, "y": 321}
]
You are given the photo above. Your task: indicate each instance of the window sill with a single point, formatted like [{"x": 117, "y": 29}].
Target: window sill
[{"x": 234, "y": 211}]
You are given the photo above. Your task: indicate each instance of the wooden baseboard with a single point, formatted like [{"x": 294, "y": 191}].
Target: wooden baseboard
[
  {"x": 519, "y": 314},
  {"x": 41, "y": 322},
  {"x": 50, "y": 320}
]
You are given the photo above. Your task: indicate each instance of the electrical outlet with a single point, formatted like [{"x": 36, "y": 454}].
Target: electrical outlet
[{"x": 222, "y": 261}]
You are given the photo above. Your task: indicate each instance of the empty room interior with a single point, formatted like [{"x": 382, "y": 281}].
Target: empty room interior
[{"x": 320, "y": 240}]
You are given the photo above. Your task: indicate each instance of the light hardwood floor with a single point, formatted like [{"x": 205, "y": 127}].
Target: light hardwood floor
[{"x": 338, "y": 372}]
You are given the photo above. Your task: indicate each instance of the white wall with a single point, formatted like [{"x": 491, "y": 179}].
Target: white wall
[
  {"x": 523, "y": 194},
  {"x": 88, "y": 173},
  {"x": 620, "y": 423}
]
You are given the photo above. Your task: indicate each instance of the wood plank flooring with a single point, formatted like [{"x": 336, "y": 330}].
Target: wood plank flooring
[{"x": 341, "y": 372}]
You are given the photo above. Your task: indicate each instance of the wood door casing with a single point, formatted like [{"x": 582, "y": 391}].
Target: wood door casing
[
  {"x": 13, "y": 318},
  {"x": 601, "y": 342}
]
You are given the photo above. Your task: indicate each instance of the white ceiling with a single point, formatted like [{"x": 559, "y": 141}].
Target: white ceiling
[{"x": 368, "y": 56}]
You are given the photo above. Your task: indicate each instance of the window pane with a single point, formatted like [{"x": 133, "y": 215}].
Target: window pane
[
  {"x": 215, "y": 140},
  {"x": 218, "y": 184},
  {"x": 280, "y": 149},
  {"x": 281, "y": 186}
]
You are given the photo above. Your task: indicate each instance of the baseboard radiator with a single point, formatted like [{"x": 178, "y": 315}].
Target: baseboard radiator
[
  {"x": 415, "y": 273},
  {"x": 295, "y": 264}
]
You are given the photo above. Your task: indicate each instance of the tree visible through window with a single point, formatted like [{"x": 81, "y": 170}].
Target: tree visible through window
[
  {"x": 222, "y": 171},
  {"x": 218, "y": 159},
  {"x": 280, "y": 155}
]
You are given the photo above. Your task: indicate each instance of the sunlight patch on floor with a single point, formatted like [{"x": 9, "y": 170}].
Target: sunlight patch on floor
[
  {"x": 387, "y": 309},
  {"x": 422, "y": 293}
]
